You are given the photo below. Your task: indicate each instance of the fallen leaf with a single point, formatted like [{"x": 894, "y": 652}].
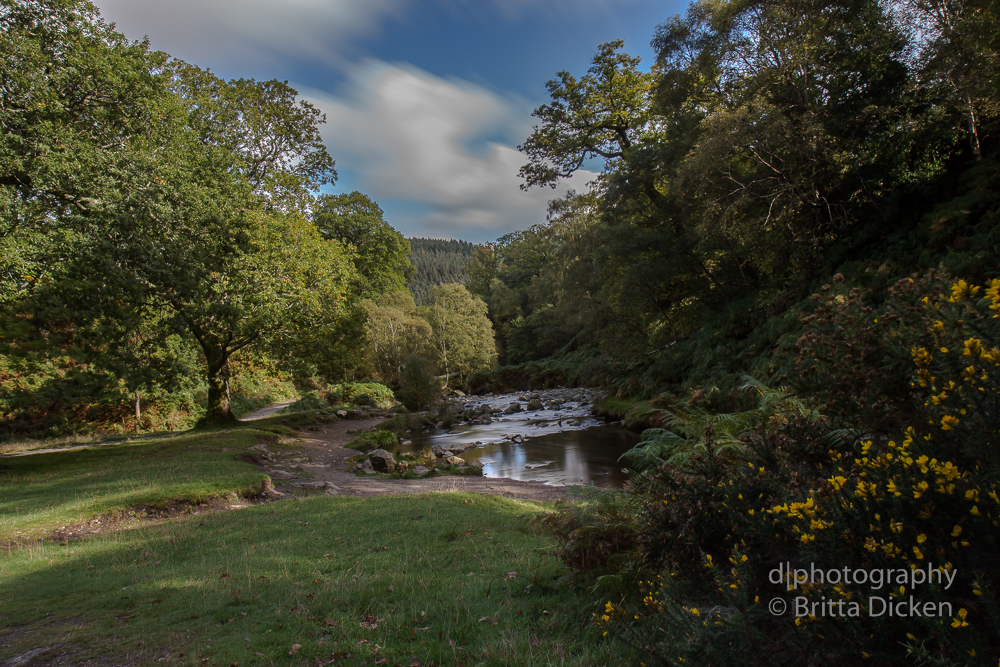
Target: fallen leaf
[
  {"x": 484, "y": 618},
  {"x": 331, "y": 622},
  {"x": 224, "y": 576},
  {"x": 295, "y": 649}
]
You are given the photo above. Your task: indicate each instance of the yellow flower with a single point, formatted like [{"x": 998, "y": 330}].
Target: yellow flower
[
  {"x": 921, "y": 538},
  {"x": 956, "y": 531},
  {"x": 962, "y": 290},
  {"x": 959, "y": 621},
  {"x": 948, "y": 422}
]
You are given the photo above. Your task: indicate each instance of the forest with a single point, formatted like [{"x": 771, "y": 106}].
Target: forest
[
  {"x": 437, "y": 262},
  {"x": 167, "y": 250},
  {"x": 786, "y": 274}
]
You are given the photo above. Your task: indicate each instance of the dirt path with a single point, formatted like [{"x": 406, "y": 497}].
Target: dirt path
[
  {"x": 323, "y": 457},
  {"x": 265, "y": 412}
]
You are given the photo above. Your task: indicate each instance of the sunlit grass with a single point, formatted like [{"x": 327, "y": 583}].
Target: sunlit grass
[
  {"x": 449, "y": 578},
  {"x": 41, "y": 492}
]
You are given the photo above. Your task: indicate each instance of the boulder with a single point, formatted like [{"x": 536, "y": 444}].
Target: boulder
[
  {"x": 420, "y": 470},
  {"x": 408, "y": 455},
  {"x": 453, "y": 460},
  {"x": 512, "y": 408},
  {"x": 406, "y": 443},
  {"x": 438, "y": 450},
  {"x": 460, "y": 393},
  {"x": 342, "y": 413},
  {"x": 402, "y": 466},
  {"x": 535, "y": 404},
  {"x": 478, "y": 464},
  {"x": 382, "y": 461},
  {"x": 366, "y": 467}
]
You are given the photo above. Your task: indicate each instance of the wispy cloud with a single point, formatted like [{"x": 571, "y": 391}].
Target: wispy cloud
[
  {"x": 224, "y": 33},
  {"x": 445, "y": 143}
]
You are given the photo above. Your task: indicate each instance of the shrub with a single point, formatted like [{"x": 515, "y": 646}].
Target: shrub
[
  {"x": 803, "y": 489},
  {"x": 373, "y": 440}
]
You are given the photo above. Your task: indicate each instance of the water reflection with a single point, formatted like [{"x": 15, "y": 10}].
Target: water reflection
[{"x": 578, "y": 456}]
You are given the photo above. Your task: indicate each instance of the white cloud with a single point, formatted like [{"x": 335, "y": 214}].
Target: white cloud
[
  {"x": 412, "y": 136},
  {"x": 225, "y": 33}
]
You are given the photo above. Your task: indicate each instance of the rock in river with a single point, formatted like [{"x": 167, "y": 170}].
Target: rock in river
[{"x": 382, "y": 460}]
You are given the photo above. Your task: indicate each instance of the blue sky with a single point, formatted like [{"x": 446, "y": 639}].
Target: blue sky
[{"x": 426, "y": 100}]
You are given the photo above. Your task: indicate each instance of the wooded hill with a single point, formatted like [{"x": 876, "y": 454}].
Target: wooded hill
[{"x": 437, "y": 262}]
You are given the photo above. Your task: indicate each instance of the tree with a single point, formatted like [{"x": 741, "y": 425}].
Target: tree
[
  {"x": 599, "y": 115},
  {"x": 78, "y": 102},
  {"x": 396, "y": 331},
  {"x": 274, "y": 136},
  {"x": 381, "y": 253},
  {"x": 463, "y": 336}
]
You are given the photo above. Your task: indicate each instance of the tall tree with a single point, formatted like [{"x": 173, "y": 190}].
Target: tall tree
[
  {"x": 598, "y": 116},
  {"x": 462, "y": 334},
  {"x": 380, "y": 252}
]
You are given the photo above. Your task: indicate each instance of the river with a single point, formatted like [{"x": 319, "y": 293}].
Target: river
[{"x": 558, "y": 442}]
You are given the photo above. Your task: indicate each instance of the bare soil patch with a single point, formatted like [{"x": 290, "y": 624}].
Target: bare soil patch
[{"x": 323, "y": 457}]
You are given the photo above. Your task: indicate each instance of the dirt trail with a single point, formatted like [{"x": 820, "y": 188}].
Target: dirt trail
[{"x": 325, "y": 446}]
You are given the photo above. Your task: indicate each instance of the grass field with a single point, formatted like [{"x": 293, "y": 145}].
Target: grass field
[{"x": 435, "y": 579}]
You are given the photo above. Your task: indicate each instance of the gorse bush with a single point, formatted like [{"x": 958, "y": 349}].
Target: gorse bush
[{"x": 796, "y": 489}]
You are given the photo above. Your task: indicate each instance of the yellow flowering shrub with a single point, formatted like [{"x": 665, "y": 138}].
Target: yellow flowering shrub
[{"x": 811, "y": 489}]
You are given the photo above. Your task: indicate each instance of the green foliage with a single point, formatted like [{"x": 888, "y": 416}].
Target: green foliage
[
  {"x": 794, "y": 487},
  {"x": 379, "y": 439},
  {"x": 462, "y": 340},
  {"x": 395, "y": 331},
  {"x": 380, "y": 252},
  {"x": 362, "y": 394},
  {"x": 418, "y": 389},
  {"x": 695, "y": 431},
  {"x": 437, "y": 262}
]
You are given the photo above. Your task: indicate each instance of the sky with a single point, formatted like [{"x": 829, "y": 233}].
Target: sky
[{"x": 426, "y": 100}]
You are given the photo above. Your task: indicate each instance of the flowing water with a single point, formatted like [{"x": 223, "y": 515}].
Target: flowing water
[{"x": 562, "y": 443}]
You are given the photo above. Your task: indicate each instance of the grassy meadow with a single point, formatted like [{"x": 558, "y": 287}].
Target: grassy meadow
[{"x": 435, "y": 579}]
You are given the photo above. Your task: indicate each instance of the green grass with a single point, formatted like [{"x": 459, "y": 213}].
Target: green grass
[
  {"x": 41, "y": 492},
  {"x": 435, "y": 572},
  {"x": 247, "y": 585}
]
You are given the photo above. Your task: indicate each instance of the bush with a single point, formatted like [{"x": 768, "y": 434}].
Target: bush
[
  {"x": 369, "y": 394},
  {"x": 374, "y": 440},
  {"x": 801, "y": 488}
]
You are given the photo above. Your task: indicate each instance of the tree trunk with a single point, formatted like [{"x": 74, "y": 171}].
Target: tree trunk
[
  {"x": 138, "y": 411},
  {"x": 219, "y": 408}
]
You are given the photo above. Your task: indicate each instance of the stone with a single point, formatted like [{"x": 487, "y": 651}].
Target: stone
[
  {"x": 478, "y": 464},
  {"x": 366, "y": 467},
  {"x": 438, "y": 450},
  {"x": 460, "y": 394},
  {"x": 382, "y": 460},
  {"x": 342, "y": 413},
  {"x": 316, "y": 485},
  {"x": 406, "y": 443},
  {"x": 512, "y": 408},
  {"x": 453, "y": 460},
  {"x": 420, "y": 470},
  {"x": 408, "y": 455},
  {"x": 402, "y": 466},
  {"x": 535, "y": 404},
  {"x": 263, "y": 451}
]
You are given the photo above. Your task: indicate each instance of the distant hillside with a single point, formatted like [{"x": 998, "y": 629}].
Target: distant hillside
[{"x": 437, "y": 262}]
